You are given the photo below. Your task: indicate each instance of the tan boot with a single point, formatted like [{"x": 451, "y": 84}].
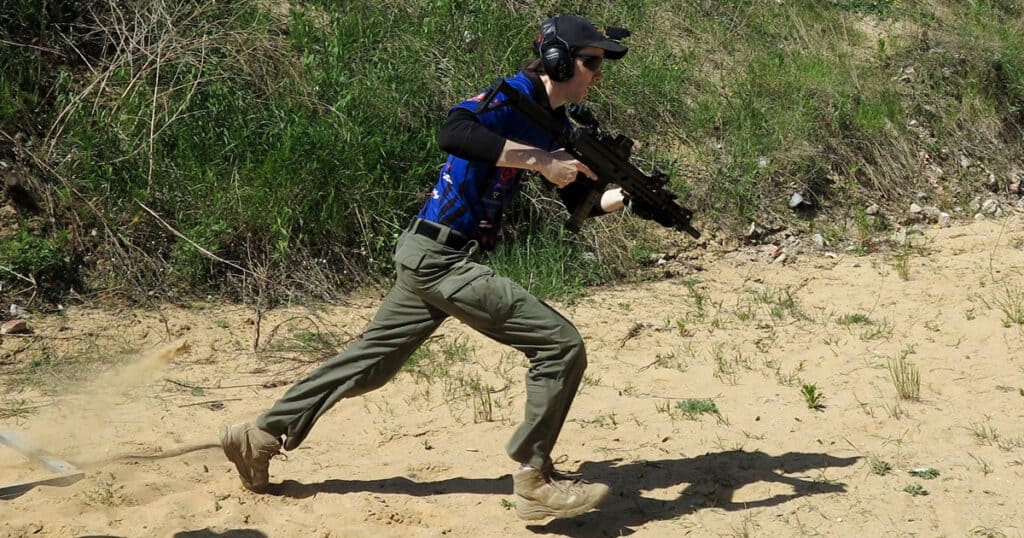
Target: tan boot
[
  {"x": 539, "y": 496},
  {"x": 250, "y": 449}
]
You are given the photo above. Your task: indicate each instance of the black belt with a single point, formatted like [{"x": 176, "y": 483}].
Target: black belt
[{"x": 433, "y": 231}]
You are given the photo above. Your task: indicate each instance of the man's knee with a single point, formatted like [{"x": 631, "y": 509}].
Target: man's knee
[{"x": 574, "y": 351}]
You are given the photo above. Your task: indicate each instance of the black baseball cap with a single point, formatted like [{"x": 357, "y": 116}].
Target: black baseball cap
[{"x": 578, "y": 32}]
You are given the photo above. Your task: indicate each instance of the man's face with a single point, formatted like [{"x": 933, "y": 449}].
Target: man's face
[{"x": 589, "y": 61}]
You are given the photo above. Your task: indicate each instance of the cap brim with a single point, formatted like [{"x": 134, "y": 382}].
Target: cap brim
[{"x": 613, "y": 50}]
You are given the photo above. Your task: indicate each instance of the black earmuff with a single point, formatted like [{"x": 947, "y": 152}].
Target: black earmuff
[{"x": 555, "y": 53}]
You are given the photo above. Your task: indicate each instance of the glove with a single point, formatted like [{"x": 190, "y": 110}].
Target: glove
[{"x": 647, "y": 212}]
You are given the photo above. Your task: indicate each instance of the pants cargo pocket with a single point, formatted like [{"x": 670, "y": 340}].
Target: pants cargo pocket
[{"x": 478, "y": 297}]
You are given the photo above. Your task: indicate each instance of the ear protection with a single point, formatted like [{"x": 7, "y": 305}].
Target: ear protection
[{"x": 555, "y": 53}]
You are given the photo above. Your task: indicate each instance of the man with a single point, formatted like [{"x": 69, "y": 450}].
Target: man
[{"x": 437, "y": 275}]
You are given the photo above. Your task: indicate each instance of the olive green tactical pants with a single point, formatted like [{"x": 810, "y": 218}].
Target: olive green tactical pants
[{"x": 434, "y": 282}]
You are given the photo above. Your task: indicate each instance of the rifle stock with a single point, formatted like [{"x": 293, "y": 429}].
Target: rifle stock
[{"x": 607, "y": 156}]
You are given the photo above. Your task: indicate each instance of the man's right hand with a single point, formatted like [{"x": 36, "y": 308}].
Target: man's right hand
[{"x": 562, "y": 169}]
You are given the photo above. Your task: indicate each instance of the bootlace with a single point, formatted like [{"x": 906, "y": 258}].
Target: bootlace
[{"x": 555, "y": 475}]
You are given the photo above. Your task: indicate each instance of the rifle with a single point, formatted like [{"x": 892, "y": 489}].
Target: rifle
[{"x": 606, "y": 155}]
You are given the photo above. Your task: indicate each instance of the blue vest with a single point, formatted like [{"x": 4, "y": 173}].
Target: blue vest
[{"x": 470, "y": 196}]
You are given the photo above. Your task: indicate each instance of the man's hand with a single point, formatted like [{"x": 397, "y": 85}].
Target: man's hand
[
  {"x": 647, "y": 212},
  {"x": 562, "y": 168}
]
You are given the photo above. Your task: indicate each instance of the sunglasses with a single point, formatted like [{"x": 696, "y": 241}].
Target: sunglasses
[{"x": 591, "y": 62}]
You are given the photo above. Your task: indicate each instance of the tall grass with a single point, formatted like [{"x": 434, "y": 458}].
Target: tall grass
[{"x": 297, "y": 140}]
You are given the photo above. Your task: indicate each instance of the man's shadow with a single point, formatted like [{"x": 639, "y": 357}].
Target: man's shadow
[{"x": 710, "y": 480}]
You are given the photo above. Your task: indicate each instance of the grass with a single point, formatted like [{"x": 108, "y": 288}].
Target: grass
[
  {"x": 878, "y": 331},
  {"x": 300, "y": 141},
  {"x": 692, "y": 408},
  {"x": 812, "y": 397},
  {"x": 879, "y": 466},
  {"x": 901, "y": 261},
  {"x": 905, "y": 376},
  {"x": 915, "y": 490},
  {"x": 984, "y": 433},
  {"x": 926, "y": 473},
  {"x": 854, "y": 318},
  {"x": 20, "y": 408},
  {"x": 1010, "y": 301},
  {"x": 779, "y": 302}
]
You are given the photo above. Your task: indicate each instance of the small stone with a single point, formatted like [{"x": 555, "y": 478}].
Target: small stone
[
  {"x": 819, "y": 241},
  {"x": 872, "y": 209},
  {"x": 18, "y": 312},
  {"x": 796, "y": 200},
  {"x": 914, "y": 208},
  {"x": 932, "y": 211}
]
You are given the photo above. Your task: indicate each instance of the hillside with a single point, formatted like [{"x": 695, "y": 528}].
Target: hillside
[{"x": 271, "y": 152}]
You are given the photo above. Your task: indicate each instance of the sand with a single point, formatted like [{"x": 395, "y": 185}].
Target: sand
[{"x": 424, "y": 455}]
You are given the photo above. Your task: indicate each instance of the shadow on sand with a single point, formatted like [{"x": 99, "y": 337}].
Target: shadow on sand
[{"x": 710, "y": 480}]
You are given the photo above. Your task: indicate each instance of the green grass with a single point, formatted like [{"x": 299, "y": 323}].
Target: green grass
[
  {"x": 915, "y": 490},
  {"x": 812, "y": 396},
  {"x": 692, "y": 408},
  {"x": 879, "y": 466},
  {"x": 854, "y": 318},
  {"x": 301, "y": 143},
  {"x": 926, "y": 473}
]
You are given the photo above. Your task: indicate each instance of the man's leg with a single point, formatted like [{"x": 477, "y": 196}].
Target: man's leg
[
  {"x": 403, "y": 322},
  {"x": 504, "y": 311},
  {"x": 400, "y": 326},
  {"x": 507, "y": 313}
]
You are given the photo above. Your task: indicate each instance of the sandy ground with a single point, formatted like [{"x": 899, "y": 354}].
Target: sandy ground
[{"x": 424, "y": 456}]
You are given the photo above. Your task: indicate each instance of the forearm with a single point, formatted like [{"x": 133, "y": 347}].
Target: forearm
[{"x": 518, "y": 155}]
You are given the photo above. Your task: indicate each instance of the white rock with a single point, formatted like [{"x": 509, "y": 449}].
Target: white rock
[
  {"x": 990, "y": 206},
  {"x": 872, "y": 209},
  {"x": 17, "y": 311},
  {"x": 795, "y": 200},
  {"x": 819, "y": 241},
  {"x": 914, "y": 208}
]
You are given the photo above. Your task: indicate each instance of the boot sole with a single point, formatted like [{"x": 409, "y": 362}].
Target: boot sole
[
  {"x": 235, "y": 457},
  {"x": 537, "y": 511}
]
